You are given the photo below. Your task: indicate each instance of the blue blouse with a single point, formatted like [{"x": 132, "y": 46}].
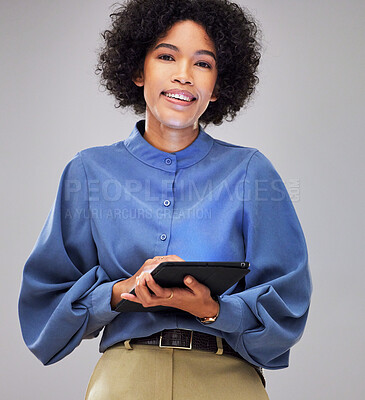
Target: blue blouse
[{"x": 121, "y": 204}]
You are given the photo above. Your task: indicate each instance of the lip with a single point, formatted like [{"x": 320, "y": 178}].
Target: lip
[
  {"x": 181, "y": 92},
  {"x": 178, "y": 102}
]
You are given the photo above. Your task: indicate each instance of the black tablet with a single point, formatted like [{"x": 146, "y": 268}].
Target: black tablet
[{"x": 218, "y": 276}]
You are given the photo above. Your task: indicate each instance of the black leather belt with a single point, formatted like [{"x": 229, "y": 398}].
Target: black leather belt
[{"x": 188, "y": 340}]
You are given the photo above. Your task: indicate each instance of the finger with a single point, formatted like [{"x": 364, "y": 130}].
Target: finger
[
  {"x": 147, "y": 263},
  {"x": 130, "y": 297},
  {"x": 194, "y": 285},
  {"x": 174, "y": 257},
  {"x": 143, "y": 276},
  {"x": 157, "y": 289},
  {"x": 141, "y": 296},
  {"x": 138, "y": 281},
  {"x": 160, "y": 258},
  {"x": 142, "y": 291},
  {"x": 169, "y": 257},
  {"x": 141, "y": 279}
]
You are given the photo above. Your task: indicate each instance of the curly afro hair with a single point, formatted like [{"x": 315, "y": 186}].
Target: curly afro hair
[{"x": 138, "y": 24}]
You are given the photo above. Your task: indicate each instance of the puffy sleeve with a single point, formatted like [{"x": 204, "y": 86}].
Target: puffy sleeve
[
  {"x": 264, "y": 321},
  {"x": 65, "y": 293}
]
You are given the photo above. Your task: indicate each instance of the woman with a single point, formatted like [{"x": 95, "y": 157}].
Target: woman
[{"x": 170, "y": 192}]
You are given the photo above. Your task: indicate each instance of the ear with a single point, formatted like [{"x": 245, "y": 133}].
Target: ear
[
  {"x": 215, "y": 93},
  {"x": 138, "y": 79}
]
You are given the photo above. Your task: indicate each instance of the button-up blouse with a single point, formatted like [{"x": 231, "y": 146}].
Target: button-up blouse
[{"x": 121, "y": 204}]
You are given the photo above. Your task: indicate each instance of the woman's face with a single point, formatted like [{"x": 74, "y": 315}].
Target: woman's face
[{"x": 181, "y": 64}]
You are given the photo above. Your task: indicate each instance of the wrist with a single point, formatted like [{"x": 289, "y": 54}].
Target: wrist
[
  {"x": 214, "y": 311},
  {"x": 212, "y": 315},
  {"x": 123, "y": 286}
]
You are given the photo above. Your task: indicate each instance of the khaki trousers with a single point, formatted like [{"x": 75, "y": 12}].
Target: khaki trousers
[{"x": 153, "y": 373}]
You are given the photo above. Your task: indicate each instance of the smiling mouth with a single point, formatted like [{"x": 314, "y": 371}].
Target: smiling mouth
[{"x": 179, "y": 97}]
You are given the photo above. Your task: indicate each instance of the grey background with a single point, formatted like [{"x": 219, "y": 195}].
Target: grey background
[{"x": 307, "y": 118}]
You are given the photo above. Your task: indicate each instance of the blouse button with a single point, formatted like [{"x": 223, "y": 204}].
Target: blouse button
[
  {"x": 163, "y": 237},
  {"x": 166, "y": 203},
  {"x": 168, "y": 161}
]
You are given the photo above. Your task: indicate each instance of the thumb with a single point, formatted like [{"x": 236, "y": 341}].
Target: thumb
[
  {"x": 195, "y": 286},
  {"x": 190, "y": 281}
]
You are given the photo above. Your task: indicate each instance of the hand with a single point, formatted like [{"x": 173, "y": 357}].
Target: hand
[
  {"x": 127, "y": 285},
  {"x": 194, "y": 299}
]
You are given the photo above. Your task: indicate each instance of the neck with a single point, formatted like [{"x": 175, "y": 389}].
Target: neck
[{"x": 169, "y": 139}]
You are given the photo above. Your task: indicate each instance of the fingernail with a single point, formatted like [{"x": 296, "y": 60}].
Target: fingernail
[{"x": 188, "y": 280}]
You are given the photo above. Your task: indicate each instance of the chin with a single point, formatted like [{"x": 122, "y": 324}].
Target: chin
[{"x": 179, "y": 123}]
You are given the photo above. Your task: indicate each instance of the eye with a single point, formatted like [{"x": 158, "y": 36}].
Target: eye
[
  {"x": 165, "y": 57},
  {"x": 203, "y": 64}
]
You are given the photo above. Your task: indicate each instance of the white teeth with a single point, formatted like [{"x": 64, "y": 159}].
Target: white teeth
[{"x": 178, "y": 96}]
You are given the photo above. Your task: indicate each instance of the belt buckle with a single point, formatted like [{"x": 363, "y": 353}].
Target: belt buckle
[{"x": 177, "y": 347}]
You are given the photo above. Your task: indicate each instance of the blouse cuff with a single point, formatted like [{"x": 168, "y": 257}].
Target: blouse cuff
[
  {"x": 234, "y": 315},
  {"x": 100, "y": 301}
]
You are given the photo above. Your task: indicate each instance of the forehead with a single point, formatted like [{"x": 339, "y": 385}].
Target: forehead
[{"x": 188, "y": 34}]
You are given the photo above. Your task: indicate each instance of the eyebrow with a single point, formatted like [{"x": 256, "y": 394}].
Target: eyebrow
[{"x": 173, "y": 47}]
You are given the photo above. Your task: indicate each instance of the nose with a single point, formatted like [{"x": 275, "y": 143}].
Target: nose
[{"x": 182, "y": 74}]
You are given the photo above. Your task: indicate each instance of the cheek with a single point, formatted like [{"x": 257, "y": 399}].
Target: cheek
[
  {"x": 154, "y": 85},
  {"x": 207, "y": 84}
]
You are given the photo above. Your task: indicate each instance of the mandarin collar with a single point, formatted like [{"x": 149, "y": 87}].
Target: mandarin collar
[{"x": 169, "y": 162}]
